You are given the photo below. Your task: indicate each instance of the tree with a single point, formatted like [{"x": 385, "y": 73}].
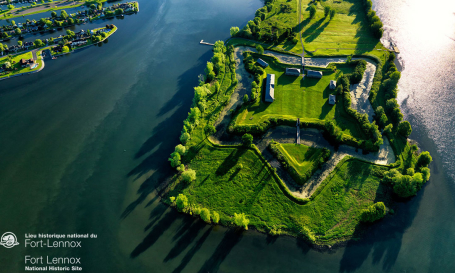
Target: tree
[
  {"x": 10, "y": 7},
  {"x": 185, "y": 137},
  {"x": 205, "y": 215},
  {"x": 7, "y": 65},
  {"x": 54, "y": 14},
  {"x": 245, "y": 98},
  {"x": 424, "y": 159},
  {"x": 404, "y": 186},
  {"x": 49, "y": 24},
  {"x": 70, "y": 33},
  {"x": 373, "y": 213},
  {"x": 247, "y": 139},
  {"x": 118, "y": 11},
  {"x": 234, "y": 31},
  {"x": 63, "y": 14},
  {"x": 180, "y": 149},
  {"x": 65, "y": 49},
  {"x": 209, "y": 129},
  {"x": 18, "y": 31},
  {"x": 38, "y": 43},
  {"x": 425, "y": 173},
  {"x": 175, "y": 160},
  {"x": 388, "y": 129},
  {"x": 194, "y": 114},
  {"x": 326, "y": 11},
  {"x": 240, "y": 220},
  {"x": 260, "y": 49},
  {"x": 189, "y": 175},
  {"x": 332, "y": 14},
  {"x": 181, "y": 202},
  {"x": 70, "y": 21},
  {"x": 312, "y": 11},
  {"x": 215, "y": 217},
  {"x": 405, "y": 128}
]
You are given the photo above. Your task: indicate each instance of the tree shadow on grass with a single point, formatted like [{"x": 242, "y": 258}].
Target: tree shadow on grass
[
  {"x": 311, "y": 37},
  {"x": 313, "y": 28},
  {"x": 231, "y": 238},
  {"x": 230, "y": 161}
]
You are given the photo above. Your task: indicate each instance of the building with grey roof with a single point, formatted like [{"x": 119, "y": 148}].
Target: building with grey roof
[
  {"x": 314, "y": 74},
  {"x": 292, "y": 71},
  {"x": 332, "y": 99},
  {"x": 270, "y": 88},
  {"x": 262, "y": 63},
  {"x": 333, "y": 84}
]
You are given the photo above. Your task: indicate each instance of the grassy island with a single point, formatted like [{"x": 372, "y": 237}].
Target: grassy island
[{"x": 238, "y": 183}]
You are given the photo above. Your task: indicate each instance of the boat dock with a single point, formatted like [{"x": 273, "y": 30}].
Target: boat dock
[{"x": 205, "y": 43}]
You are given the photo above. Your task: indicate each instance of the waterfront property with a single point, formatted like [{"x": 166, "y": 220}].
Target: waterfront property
[
  {"x": 26, "y": 62},
  {"x": 292, "y": 71},
  {"x": 314, "y": 74},
  {"x": 262, "y": 63},
  {"x": 270, "y": 88}
]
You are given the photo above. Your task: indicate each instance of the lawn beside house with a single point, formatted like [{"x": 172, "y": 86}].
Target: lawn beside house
[{"x": 17, "y": 68}]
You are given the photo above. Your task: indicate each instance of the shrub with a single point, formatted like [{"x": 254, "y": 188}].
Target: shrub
[
  {"x": 234, "y": 31},
  {"x": 425, "y": 173},
  {"x": 405, "y": 128},
  {"x": 312, "y": 11},
  {"x": 260, "y": 49},
  {"x": 240, "y": 220},
  {"x": 175, "y": 159},
  {"x": 247, "y": 139},
  {"x": 404, "y": 186},
  {"x": 410, "y": 171},
  {"x": 184, "y": 138},
  {"x": 424, "y": 159},
  {"x": 189, "y": 175},
  {"x": 181, "y": 202},
  {"x": 215, "y": 217},
  {"x": 205, "y": 215},
  {"x": 389, "y": 176},
  {"x": 180, "y": 149},
  {"x": 209, "y": 129},
  {"x": 373, "y": 213}
]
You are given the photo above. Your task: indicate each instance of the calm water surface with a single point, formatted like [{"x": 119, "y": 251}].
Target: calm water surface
[{"x": 83, "y": 145}]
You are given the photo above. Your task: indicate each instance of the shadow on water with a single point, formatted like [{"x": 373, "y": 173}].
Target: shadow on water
[
  {"x": 231, "y": 238},
  {"x": 189, "y": 255},
  {"x": 163, "y": 139},
  {"x": 390, "y": 231}
]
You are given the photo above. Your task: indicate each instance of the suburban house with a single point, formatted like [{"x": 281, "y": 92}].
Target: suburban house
[
  {"x": 333, "y": 84},
  {"x": 292, "y": 71},
  {"x": 270, "y": 88},
  {"x": 314, "y": 74},
  {"x": 332, "y": 99},
  {"x": 262, "y": 63},
  {"x": 25, "y": 63}
]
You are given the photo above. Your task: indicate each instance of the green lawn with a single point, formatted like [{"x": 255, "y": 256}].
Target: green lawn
[
  {"x": 332, "y": 216},
  {"x": 347, "y": 33},
  {"x": 306, "y": 99},
  {"x": 17, "y": 67},
  {"x": 301, "y": 157}
]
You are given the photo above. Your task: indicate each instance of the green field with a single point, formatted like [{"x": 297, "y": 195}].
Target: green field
[
  {"x": 332, "y": 216},
  {"x": 306, "y": 99},
  {"x": 301, "y": 157},
  {"x": 347, "y": 33}
]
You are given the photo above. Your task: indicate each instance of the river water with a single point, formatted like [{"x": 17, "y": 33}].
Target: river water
[{"x": 84, "y": 142}]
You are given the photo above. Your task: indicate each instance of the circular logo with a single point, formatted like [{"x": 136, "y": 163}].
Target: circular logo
[{"x": 8, "y": 240}]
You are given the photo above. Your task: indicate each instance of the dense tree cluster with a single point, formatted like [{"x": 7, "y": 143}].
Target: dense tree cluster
[
  {"x": 373, "y": 19},
  {"x": 374, "y": 212}
]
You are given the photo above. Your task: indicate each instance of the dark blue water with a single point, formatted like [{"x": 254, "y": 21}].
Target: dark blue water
[{"x": 83, "y": 145}]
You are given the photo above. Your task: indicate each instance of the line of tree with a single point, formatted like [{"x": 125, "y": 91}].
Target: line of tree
[{"x": 373, "y": 19}]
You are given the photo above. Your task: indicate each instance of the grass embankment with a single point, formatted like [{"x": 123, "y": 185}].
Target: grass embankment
[
  {"x": 17, "y": 68},
  {"x": 299, "y": 160},
  {"x": 304, "y": 98},
  {"x": 332, "y": 216}
]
